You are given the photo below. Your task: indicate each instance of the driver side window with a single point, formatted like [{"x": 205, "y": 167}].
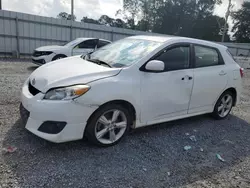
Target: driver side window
[{"x": 175, "y": 58}]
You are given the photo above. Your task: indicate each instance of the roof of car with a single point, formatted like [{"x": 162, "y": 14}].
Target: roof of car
[
  {"x": 163, "y": 39},
  {"x": 83, "y": 38}
]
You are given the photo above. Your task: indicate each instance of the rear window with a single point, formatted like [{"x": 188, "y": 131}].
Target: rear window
[{"x": 229, "y": 53}]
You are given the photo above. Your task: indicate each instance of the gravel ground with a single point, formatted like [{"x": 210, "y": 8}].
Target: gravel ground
[{"x": 148, "y": 157}]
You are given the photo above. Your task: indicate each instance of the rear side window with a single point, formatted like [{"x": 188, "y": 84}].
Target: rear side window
[
  {"x": 205, "y": 56},
  {"x": 102, "y": 43},
  {"x": 175, "y": 58}
]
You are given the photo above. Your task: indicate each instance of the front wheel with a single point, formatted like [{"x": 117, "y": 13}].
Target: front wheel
[
  {"x": 223, "y": 105},
  {"x": 108, "y": 125},
  {"x": 57, "y": 57}
]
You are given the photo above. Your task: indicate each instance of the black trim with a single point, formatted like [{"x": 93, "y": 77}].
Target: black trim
[
  {"x": 221, "y": 60},
  {"x": 38, "y": 61},
  {"x": 52, "y": 127},
  {"x": 24, "y": 114},
  {"x": 33, "y": 90},
  {"x": 183, "y": 44}
]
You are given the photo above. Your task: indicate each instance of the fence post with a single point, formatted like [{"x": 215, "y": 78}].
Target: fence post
[
  {"x": 17, "y": 38},
  {"x": 112, "y": 35},
  {"x": 71, "y": 32}
]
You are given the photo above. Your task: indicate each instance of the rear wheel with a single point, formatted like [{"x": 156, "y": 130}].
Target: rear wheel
[
  {"x": 108, "y": 125},
  {"x": 223, "y": 106}
]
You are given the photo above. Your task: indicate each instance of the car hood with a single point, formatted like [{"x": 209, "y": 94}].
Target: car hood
[
  {"x": 51, "y": 48},
  {"x": 69, "y": 71}
]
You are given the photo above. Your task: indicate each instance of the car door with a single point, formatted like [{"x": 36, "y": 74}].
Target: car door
[
  {"x": 85, "y": 47},
  {"x": 210, "y": 78},
  {"x": 167, "y": 94}
]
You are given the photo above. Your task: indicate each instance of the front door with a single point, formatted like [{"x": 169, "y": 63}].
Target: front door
[
  {"x": 167, "y": 94},
  {"x": 210, "y": 79},
  {"x": 85, "y": 47}
]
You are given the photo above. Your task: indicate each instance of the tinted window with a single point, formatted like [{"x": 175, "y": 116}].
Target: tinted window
[
  {"x": 88, "y": 44},
  {"x": 175, "y": 58},
  {"x": 205, "y": 56},
  {"x": 102, "y": 43}
]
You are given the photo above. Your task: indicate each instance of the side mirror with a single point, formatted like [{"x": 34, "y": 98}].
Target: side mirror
[{"x": 155, "y": 66}]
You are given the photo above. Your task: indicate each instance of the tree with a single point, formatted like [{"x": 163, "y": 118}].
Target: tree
[
  {"x": 186, "y": 18},
  {"x": 89, "y": 20},
  {"x": 130, "y": 12},
  {"x": 242, "y": 23},
  {"x": 65, "y": 16},
  {"x": 105, "y": 20}
]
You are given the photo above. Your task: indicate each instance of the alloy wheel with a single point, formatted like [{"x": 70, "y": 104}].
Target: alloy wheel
[
  {"x": 110, "y": 126},
  {"x": 225, "y": 105}
]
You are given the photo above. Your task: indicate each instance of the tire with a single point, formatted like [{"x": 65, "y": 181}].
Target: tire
[
  {"x": 59, "y": 56},
  {"x": 223, "y": 104},
  {"x": 118, "y": 126}
]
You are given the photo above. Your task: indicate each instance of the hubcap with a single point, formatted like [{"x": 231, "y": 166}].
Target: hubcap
[
  {"x": 225, "y": 105},
  {"x": 110, "y": 126}
]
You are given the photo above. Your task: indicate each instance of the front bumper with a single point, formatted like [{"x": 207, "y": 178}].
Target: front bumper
[
  {"x": 43, "y": 59},
  {"x": 40, "y": 111}
]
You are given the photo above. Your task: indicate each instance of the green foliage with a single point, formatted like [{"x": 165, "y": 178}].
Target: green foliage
[
  {"x": 190, "y": 18},
  {"x": 65, "y": 16},
  {"x": 242, "y": 23}
]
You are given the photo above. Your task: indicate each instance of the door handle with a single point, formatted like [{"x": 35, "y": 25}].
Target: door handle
[
  {"x": 222, "y": 73},
  {"x": 188, "y": 77}
]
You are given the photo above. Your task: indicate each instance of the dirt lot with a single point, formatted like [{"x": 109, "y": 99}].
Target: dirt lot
[{"x": 149, "y": 157}]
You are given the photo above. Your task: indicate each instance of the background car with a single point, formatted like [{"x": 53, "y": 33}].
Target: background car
[{"x": 78, "y": 46}]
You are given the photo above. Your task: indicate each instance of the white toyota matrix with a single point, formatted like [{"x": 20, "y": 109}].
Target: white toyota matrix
[{"x": 134, "y": 82}]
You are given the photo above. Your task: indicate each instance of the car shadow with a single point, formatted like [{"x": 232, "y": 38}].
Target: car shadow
[
  {"x": 32, "y": 68},
  {"x": 148, "y": 157}
]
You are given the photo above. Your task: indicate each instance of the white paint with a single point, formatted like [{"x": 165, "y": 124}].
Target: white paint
[
  {"x": 156, "y": 97},
  {"x": 67, "y": 50}
]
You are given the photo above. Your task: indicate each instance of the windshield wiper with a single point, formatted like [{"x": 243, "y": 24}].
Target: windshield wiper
[{"x": 99, "y": 62}]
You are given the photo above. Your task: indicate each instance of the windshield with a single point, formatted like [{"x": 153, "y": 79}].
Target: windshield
[
  {"x": 72, "y": 43},
  {"x": 124, "y": 52}
]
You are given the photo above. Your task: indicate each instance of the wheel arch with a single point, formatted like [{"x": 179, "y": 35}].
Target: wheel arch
[
  {"x": 123, "y": 103},
  {"x": 58, "y": 55},
  {"x": 234, "y": 92}
]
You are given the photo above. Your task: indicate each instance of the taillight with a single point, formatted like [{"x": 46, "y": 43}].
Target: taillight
[{"x": 241, "y": 72}]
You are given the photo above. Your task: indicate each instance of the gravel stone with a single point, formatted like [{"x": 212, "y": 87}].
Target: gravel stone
[{"x": 158, "y": 149}]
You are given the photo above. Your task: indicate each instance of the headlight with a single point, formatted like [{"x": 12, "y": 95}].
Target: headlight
[
  {"x": 66, "y": 93},
  {"x": 46, "y": 53}
]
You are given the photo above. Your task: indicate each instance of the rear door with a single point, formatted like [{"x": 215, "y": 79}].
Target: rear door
[
  {"x": 85, "y": 47},
  {"x": 210, "y": 78}
]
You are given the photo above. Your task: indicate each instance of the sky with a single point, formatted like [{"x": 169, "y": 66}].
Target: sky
[{"x": 91, "y": 8}]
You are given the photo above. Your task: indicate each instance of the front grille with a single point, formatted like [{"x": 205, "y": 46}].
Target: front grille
[
  {"x": 37, "y": 53},
  {"x": 33, "y": 90},
  {"x": 38, "y": 61}
]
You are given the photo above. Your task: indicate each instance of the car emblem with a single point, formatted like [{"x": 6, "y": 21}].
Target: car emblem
[{"x": 33, "y": 81}]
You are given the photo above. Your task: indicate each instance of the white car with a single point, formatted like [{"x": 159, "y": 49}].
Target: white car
[
  {"x": 78, "y": 46},
  {"x": 134, "y": 82}
]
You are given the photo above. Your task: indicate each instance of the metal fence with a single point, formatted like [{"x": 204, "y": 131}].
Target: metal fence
[{"x": 21, "y": 33}]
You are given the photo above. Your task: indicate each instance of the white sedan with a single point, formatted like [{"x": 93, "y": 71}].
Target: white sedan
[
  {"x": 78, "y": 46},
  {"x": 134, "y": 82}
]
